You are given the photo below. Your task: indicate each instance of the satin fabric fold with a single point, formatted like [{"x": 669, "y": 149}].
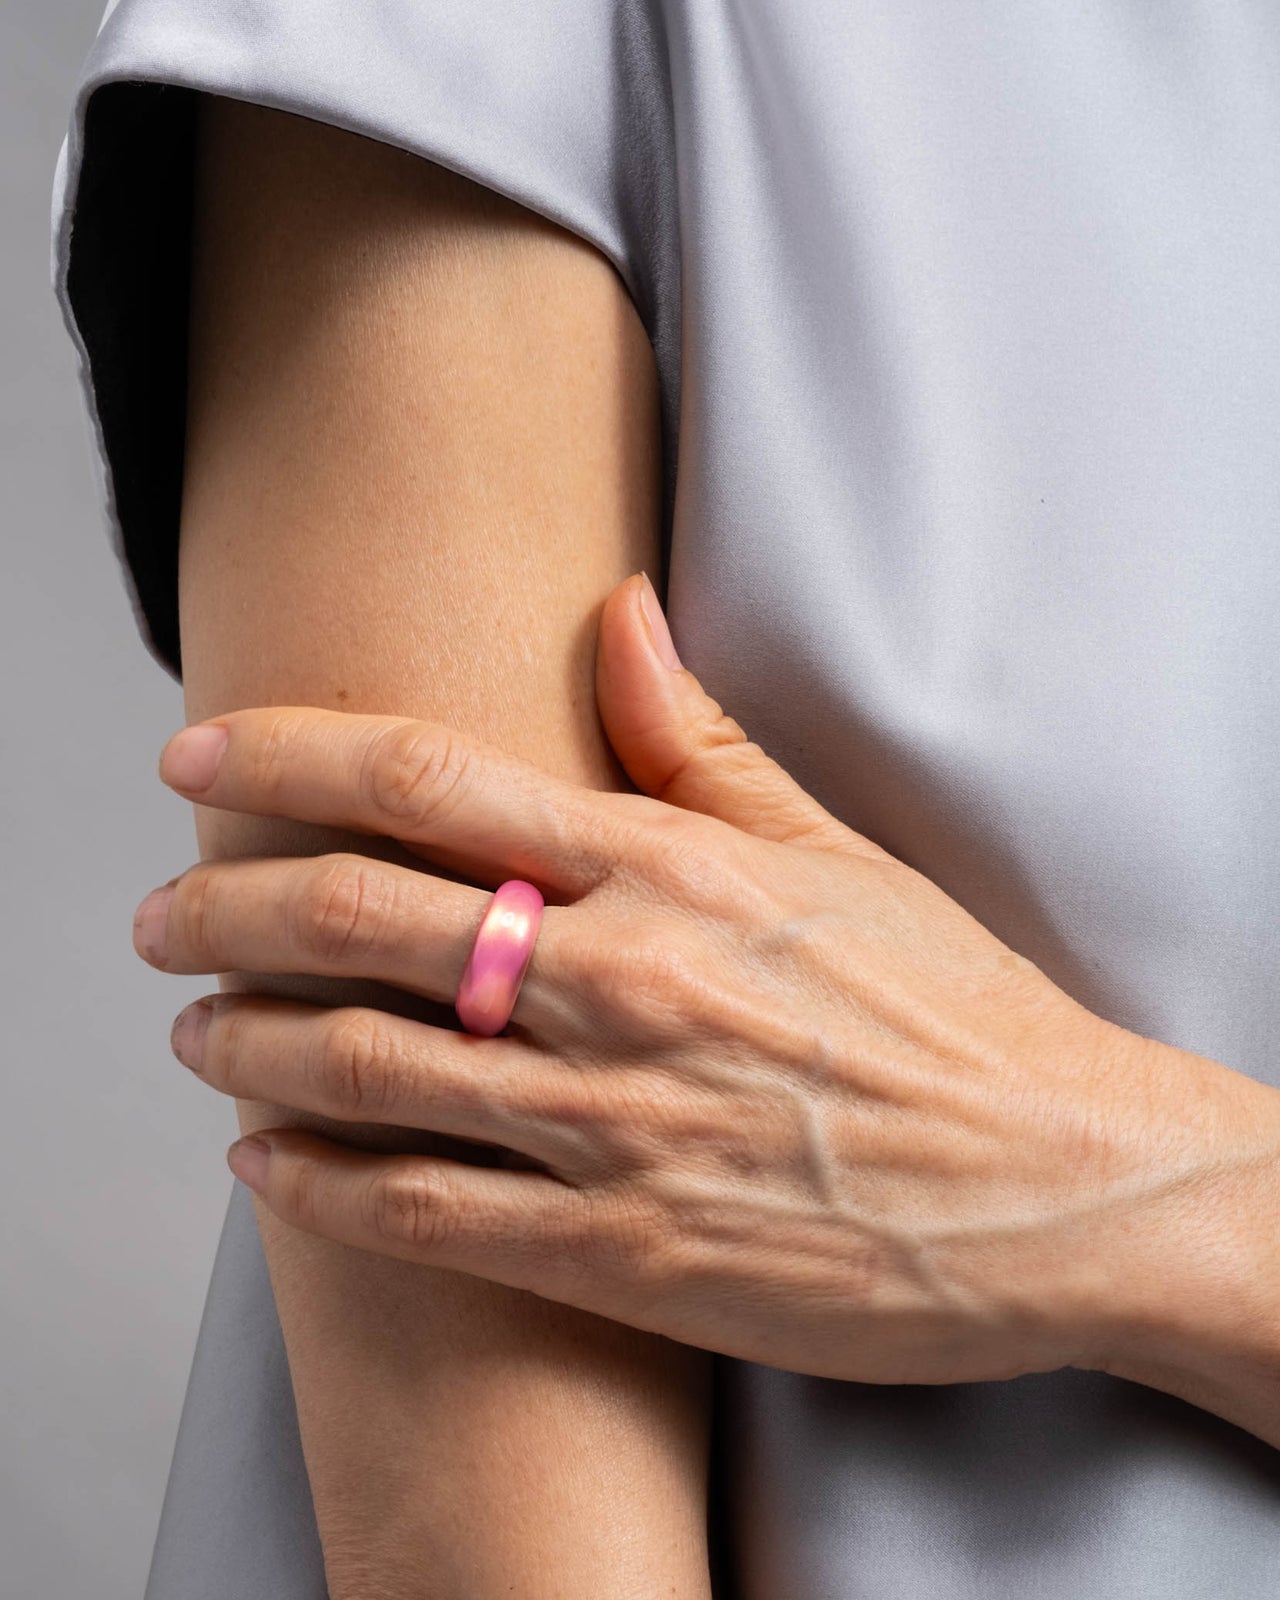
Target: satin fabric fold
[{"x": 968, "y": 328}]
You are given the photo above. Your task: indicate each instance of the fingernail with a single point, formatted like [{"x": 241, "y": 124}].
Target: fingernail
[
  {"x": 248, "y": 1159},
  {"x": 190, "y": 759},
  {"x": 189, "y": 1028},
  {"x": 149, "y": 924},
  {"x": 658, "y": 629}
]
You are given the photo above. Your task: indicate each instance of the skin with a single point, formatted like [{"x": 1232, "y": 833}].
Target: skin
[
  {"x": 772, "y": 1092},
  {"x": 422, "y": 446},
  {"x": 786, "y": 1099}
]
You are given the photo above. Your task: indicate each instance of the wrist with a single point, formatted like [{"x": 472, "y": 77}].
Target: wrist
[{"x": 1195, "y": 1307}]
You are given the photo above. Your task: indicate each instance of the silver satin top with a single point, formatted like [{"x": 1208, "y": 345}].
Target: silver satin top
[{"x": 967, "y": 318}]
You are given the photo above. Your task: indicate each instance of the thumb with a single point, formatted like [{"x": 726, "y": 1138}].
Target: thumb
[{"x": 679, "y": 746}]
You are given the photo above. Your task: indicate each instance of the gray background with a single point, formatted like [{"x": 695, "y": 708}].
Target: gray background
[{"x": 113, "y": 1182}]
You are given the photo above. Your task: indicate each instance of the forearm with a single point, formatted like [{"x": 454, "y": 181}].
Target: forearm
[
  {"x": 1198, "y": 1315},
  {"x": 368, "y": 526},
  {"x": 1233, "y": 1384},
  {"x": 460, "y": 1434}
]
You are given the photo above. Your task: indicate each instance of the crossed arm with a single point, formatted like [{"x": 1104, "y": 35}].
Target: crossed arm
[
  {"x": 413, "y": 401},
  {"x": 422, "y": 446}
]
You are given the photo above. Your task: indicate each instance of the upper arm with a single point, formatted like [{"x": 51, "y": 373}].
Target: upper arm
[
  {"x": 422, "y": 447},
  {"x": 422, "y": 444}
]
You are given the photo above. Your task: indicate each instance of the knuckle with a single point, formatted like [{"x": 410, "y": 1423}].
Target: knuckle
[
  {"x": 340, "y": 907},
  {"x": 696, "y": 864},
  {"x": 578, "y": 1105},
  {"x": 632, "y": 1131},
  {"x": 271, "y": 753},
  {"x": 679, "y": 857},
  {"x": 646, "y": 976},
  {"x": 298, "y": 1195},
  {"x": 413, "y": 771},
  {"x": 682, "y": 867},
  {"x": 227, "y": 1063},
  {"x": 574, "y": 1235},
  {"x": 195, "y": 905},
  {"x": 636, "y": 1240},
  {"x": 357, "y": 1063},
  {"x": 409, "y": 1208}
]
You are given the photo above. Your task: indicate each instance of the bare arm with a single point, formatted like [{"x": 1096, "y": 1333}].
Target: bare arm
[{"x": 422, "y": 447}]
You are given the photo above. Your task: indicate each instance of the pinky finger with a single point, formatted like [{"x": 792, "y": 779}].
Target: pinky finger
[{"x": 525, "y": 1229}]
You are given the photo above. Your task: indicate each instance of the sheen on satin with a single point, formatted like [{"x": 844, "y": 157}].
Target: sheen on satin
[{"x": 967, "y": 319}]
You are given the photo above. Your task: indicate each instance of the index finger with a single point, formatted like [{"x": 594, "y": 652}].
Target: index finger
[{"x": 474, "y": 807}]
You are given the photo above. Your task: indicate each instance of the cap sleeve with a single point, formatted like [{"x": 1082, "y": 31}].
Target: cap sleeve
[{"x": 561, "y": 107}]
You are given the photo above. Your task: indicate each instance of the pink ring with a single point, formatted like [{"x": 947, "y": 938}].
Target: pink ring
[{"x": 499, "y": 957}]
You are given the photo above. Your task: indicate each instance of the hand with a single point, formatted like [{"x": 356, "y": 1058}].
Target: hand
[{"x": 776, "y": 1094}]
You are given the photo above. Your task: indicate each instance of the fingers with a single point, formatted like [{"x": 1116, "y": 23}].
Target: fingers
[
  {"x": 472, "y": 806},
  {"x": 679, "y": 746},
  {"x": 524, "y": 1229},
  {"x": 360, "y": 1064},
  {"x": 344, "y": 915},
  {"x": 340, "y": 915}
]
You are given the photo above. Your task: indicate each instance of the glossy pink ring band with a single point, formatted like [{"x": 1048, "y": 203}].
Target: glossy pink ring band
[{"x": 499, "y": 956}]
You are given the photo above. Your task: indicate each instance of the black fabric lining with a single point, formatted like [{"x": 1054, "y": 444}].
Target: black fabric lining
[{"x": 128, "y": 282}]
